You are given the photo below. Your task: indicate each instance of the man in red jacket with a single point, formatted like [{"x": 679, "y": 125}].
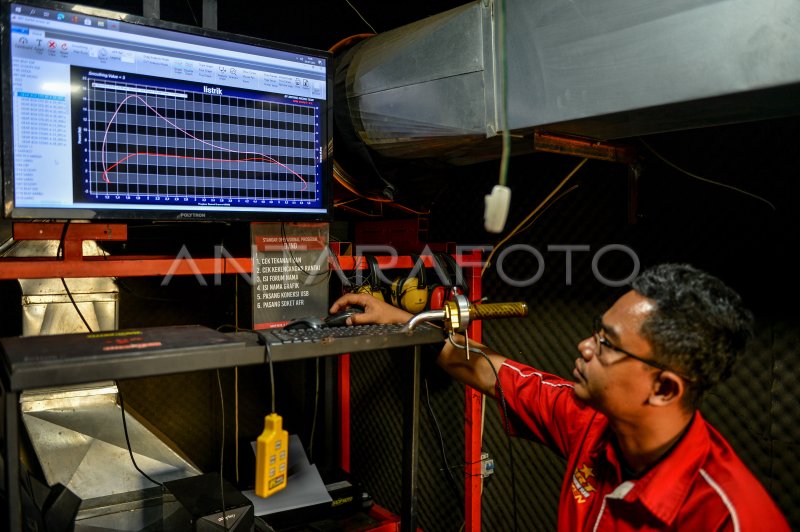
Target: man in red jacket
[{"x": 639, "y": 453}]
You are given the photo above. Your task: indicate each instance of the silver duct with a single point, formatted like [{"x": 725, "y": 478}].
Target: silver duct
[
  {"x": 604, "y": 70},
  {"x": 79, "y": 440}
]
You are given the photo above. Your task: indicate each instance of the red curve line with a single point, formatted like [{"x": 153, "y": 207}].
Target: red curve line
[
  {"x": 107, "y": 169},
  {"x": 154, "y": 154}
]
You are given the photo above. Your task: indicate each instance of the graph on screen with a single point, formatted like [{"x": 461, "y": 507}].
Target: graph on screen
[{"x": 160, "y": 141}]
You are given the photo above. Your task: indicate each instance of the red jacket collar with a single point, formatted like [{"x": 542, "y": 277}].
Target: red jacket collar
[{"x": 663, "y": 489}]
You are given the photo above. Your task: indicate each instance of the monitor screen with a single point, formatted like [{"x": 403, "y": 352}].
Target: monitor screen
[{"x": 112, "y": 116}]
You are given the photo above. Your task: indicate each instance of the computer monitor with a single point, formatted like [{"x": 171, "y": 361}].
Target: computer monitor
[{"x": 116, "y": 117}]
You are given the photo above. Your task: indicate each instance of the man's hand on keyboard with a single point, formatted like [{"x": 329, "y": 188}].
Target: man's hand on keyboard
[{"x": 375, "y": 310}]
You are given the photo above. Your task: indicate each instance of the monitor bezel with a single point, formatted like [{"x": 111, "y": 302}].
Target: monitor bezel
[{"x": 119, "y": 212}]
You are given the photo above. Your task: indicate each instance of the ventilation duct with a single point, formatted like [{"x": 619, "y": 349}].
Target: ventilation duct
[{"x": 603, "y": 70}]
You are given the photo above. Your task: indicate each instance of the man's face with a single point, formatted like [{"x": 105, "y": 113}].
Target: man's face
[{"x": 605, "y": 377}]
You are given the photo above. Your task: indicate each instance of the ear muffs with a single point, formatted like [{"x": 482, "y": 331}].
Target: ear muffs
[
  {"x": 451, "y": 277},
  {"x": 410, "y": 293},
  {"x": 436, "y": 297},
  {"x": 438, "y": 292},
  {"x": 372, "y": 283}
]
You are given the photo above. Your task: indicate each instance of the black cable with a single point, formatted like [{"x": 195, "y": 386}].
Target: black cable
[
  {"x": 310, "y": 448},
  {"x": 267, "y": 357},
  {"x": 358, "y": 280},
  {"x": 60, "y": 248},
  {"x": 360, "y": 16},
  {"x": 128, "y": 440},
  {"x": 349, "y": 280},
  {"x": 540, "y": 213},
  {"x": 271, "y": 374},
  {"x": 60, "y": 256},
  {"x": 447, "y": 468},
  {"x": 704, "y": 179},
  {"x": 189, "y": 5},
  {"x": 222, "y": 451},
  {"x": 507, "y": 429},
  {"x": 74, "y": 304},
  {"x": 268, "y": 361}
]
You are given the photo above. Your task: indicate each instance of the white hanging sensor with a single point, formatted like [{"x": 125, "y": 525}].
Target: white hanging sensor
[{"x": 496, "y": 212}]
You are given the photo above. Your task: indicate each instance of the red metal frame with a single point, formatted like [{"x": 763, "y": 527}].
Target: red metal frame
[
  {"x": 343, "y": 374},
  {"x": 75, "y": 264},
  {"x": 583, "y": 147},
  {"x": 473, "y": 437},
  {"x": 391, "y": 523}
]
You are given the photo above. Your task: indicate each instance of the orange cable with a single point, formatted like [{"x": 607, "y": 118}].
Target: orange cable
[{"x": 349, "y": 40}]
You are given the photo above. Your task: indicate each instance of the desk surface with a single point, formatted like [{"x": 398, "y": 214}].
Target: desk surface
[{"x": 57, "y": 360}]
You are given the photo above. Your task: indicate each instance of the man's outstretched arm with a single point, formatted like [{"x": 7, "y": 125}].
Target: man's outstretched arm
[{"x": 473, "y": 371}]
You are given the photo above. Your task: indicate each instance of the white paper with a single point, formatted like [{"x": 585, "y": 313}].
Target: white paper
[{"x": 304, "y": 486}]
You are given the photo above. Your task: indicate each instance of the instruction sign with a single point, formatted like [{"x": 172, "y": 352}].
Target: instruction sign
[{"x": 290, "y": 272}]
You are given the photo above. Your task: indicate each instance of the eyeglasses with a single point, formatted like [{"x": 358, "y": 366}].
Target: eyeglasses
[{"x": 601, "y": 342}]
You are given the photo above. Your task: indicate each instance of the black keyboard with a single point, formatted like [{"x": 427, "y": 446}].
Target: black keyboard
[{"x": 348, "y": 339}]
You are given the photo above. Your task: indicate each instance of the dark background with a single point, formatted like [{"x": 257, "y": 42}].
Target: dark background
[{"x": 679, "y": 218}]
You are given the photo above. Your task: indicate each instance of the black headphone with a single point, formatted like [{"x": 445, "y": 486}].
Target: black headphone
[
  {"x": 452, "y": 280},
  {"x": 372, "y": 283},
  {"x": 410, "y": 293}
]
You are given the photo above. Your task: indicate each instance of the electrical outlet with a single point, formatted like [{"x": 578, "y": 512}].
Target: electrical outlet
[{"x": 487, "y": 465}]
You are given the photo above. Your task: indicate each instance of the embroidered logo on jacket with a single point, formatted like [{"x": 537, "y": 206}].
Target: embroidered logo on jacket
[{"x": 582, "y": 489}]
